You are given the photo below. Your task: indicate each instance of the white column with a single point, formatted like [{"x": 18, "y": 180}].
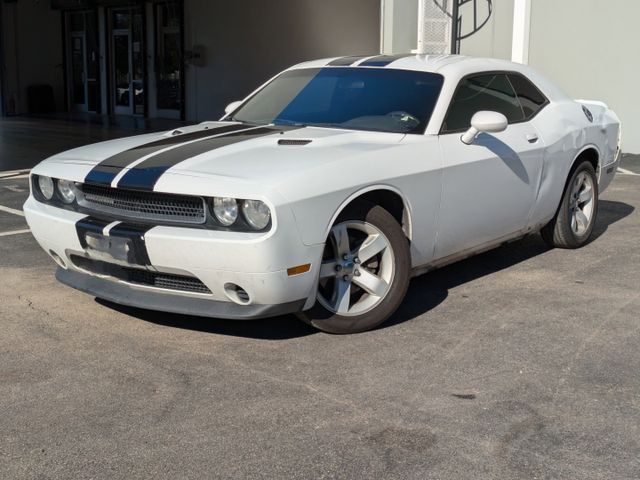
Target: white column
[
  {"x": 421, "y": 47},
  {"x": 521, "y": 29}
]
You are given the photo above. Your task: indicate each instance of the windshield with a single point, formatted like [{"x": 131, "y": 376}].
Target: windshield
[{"x": 376, "y": 99}]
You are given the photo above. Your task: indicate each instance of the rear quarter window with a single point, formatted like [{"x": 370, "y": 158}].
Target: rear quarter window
[{"x": 531, "y": 98}]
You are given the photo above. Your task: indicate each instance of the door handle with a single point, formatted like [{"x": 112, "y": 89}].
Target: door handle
[{"x": 532, "y": 137}]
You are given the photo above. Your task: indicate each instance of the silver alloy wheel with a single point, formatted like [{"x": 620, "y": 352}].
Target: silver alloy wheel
[
  {"x": 581, "y": 204},
  {"x": 357, "y": 270}
]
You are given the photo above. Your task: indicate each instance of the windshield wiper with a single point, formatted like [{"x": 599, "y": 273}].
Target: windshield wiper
[
  {"x": 292, "y": 123},
  {"x": 244, "y": 122}
]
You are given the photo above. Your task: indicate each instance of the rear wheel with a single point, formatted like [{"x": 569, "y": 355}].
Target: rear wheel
[
  {"x": 576, "y": 216},
  {"x": 364, "y": 273}
]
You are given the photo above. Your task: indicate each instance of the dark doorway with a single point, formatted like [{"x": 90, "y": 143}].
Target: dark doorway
[
  {"x": 127, "y": 62},
  {"x": 83, "y": 61},
  {"x": 169, "y": 65}
]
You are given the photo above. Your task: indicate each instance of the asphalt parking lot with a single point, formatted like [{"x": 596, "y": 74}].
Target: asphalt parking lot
[{"x": 519, "y": 363}]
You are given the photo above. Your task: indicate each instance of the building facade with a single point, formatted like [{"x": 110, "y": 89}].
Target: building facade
[
  {"x": 178, "y": 59},
  {"x": 588, "y": 47},
  {"x": 186, "y": 59}
]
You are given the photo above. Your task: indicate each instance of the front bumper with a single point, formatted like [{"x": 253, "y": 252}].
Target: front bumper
[
  {"x": 257, "y": 263},
  {"x": 131, "y": 296}
]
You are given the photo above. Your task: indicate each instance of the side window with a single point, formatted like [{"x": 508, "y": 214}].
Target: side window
[
  {"x": 482, "y": 92},
  {"x": 531, "y": 99}
]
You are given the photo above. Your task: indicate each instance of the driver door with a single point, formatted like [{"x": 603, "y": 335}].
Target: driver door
[{"x": 489, "y": 187}]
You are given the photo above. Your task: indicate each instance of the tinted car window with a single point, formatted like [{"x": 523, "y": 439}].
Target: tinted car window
[
  {"x": 385, "y": 100},
  {"x": 531, "y": 99},
  {"x": 482, "y": 92}
]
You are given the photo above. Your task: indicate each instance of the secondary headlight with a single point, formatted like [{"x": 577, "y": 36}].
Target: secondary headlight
[
  {"x": 45, "y": 184},
  {"x": 226, "y": 210},
  {"x": 66, "y": 189},
  {"x": 256, "y": 213}
]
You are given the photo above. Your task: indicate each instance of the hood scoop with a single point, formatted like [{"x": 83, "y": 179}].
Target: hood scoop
[{"x": 293, "y": 142}]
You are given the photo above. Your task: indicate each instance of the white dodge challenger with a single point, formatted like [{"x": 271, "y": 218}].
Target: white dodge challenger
[{"x": 326, "y": 189}]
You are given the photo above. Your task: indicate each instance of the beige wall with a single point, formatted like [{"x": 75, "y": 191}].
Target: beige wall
[
  {"x": 494, "y": 38},
  {"x": 33, "y": 51},
  {"x": 591, "y": 48},
  {"x": 400, "y": 26},
  {"x": 248, "y": 41}
]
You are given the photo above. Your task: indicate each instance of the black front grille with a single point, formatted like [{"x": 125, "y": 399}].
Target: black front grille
[
  {"x": 138, "y": 276},
  {"x": 150, "y": 206}
]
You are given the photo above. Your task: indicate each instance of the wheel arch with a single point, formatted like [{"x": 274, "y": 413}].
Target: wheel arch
[
  {"x": 590, "y": 153},
  {"x": 388, "y": 197}
]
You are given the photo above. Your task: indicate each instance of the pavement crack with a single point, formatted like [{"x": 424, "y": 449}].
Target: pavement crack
[
  {"x": 308, "y": 386},
  {"x": 577, "y": 354},
  {"x": 31, "y": 306}
]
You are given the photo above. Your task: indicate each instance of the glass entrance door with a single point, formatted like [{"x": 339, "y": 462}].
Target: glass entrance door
[
  {"x": 127, "y": 61},
  {"x": 169, "y": 67},
  {"x": 121, "y": 73},
  {"x": 82, "y": 65},
  {"x": 79, "y": 71}
]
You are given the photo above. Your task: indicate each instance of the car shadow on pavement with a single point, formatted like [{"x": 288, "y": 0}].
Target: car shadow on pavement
[
  {"x": 431, "y": 289},
  {"x": 276, "y": 328},
  {"x": 609, "y": 212},
  {"x": 425, "y": 292}
]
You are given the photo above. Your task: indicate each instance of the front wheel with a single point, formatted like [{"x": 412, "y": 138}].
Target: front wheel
[
  {"x": 576, "y": 216},
  {"x": 364, "y": 273}
]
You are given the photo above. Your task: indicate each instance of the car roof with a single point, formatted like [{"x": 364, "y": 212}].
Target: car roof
[{"x": 452, "y": 67}]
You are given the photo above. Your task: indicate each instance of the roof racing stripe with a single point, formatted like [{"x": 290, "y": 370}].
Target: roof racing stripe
[
  {"x": 384, "y": 60},
  {"x": 346, "y": 61},
  {"x": 145, "y": 175},
  {"x": 108, "y": 169}
]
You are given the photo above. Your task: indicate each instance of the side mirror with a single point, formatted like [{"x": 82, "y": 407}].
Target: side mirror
[
  {"x": 232, "y": 106},
  {"x": 484, "y": 121}
]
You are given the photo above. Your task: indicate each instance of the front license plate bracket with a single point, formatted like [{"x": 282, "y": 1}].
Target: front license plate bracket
[{"x": 107, "y": 249}]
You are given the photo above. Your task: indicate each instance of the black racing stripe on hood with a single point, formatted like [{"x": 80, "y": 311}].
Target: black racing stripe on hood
[
  {"x": 145, "y": 175},
  {"x": 384, "y": 60},
  {"x": 346, "y": 61},
  {"x": 108, "y": 169}
]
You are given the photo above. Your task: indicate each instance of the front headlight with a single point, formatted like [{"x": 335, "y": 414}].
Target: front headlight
[
  {"x": 45, "y": 184},
  {"x": 226, "y": 210},
  {"x": 256, "y": 213},
  {"x": 66, "y": 189}
]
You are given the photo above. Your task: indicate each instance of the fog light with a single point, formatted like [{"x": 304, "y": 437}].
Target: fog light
[
  {"x": 236, "y": 293},
  {"x": 57, "y": 259}
]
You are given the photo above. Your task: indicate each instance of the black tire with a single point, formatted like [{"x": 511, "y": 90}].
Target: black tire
[
  {"x": 331, "y": 322},
  {"x": 558, "y": 232}
]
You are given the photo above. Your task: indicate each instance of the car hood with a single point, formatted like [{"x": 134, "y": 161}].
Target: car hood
[
  {"x": 278, "y": 156},
  {"x": 287, "y": 153}
]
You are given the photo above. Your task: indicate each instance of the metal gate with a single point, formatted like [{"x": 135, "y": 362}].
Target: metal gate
[{"x": 442, "y": 24}]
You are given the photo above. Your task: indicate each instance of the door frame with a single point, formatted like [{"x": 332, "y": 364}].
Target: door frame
[
  {"x": 109, "y": 32},
  {"x": 117, "y": 109},
  {"x": 160, "y": 112},
  {"x": 78, "y": 107}
]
